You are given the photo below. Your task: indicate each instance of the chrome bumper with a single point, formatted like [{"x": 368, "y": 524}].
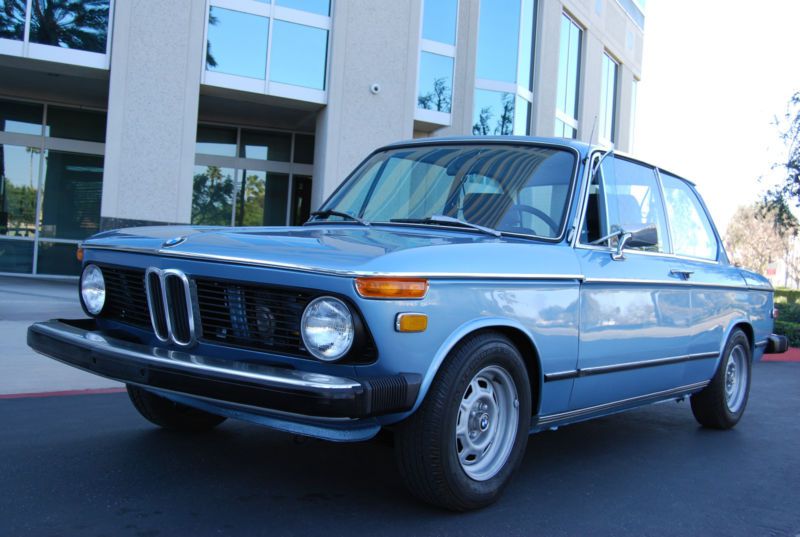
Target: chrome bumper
[{"x": 80, "y": 344}]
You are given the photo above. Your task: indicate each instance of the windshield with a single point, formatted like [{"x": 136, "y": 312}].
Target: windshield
[{"x": 514, "y": 189}]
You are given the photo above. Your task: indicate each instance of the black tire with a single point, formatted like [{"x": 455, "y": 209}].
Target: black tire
[
  {"x": 426, "y": 446},
  {"x": 171, "y": 415},
  {"x": 711, "y": 406}
]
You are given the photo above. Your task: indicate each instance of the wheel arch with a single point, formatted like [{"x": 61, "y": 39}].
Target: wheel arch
[
  {"x": 521, "y": 338},
  {"x": 745, "y": 326}
]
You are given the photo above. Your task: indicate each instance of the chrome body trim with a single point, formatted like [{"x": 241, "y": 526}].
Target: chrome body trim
[
  {"x": 152, "y": 305},
  {"x": 762, "y": 343},
  {"x": 626, "y": 366},
  {"x": 588, "y": 411}
]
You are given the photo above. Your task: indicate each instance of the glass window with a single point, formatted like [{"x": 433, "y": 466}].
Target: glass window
[
  {"x": 439, "y": 20},
  {"x": 565, "y": 131},
  {"x": 21, "y": 118},
  {"x": 494, "y": 186},
  {"x": 304, "y": 149},
  {"x": 299, "y": 55},
  {"x": 435, "y": 82},
  {"x": 265, "y": 145},
  {"x": 522, "y": 117},
  {"x": 58, "y": 258},
  {"x": 321, "y": 7},
  {"x": 493, "y": 113},
  {"x": 76, "y": 25},
  {"x": 262, "y": 199},
  {"x": 19, "y": 170},
  {"x": 525, "y": 63},
  {"x": 634, "y": 92},
  {"x": 237, "y": 43},
  {"x": 691, "y": 230},
  {"x": 12, "y": 19},
  {"x": 301, "y": 199},
  {"x": 624, "y": 196},
  {"x": 76, "y": 124},
  {"x": 219, "y": 141},
  {"x": 71, "y": 193},
  {"x": 608, "y": 100},
  {"x": 568, "y": 71},
  {"x": 212, "y": 195},
  {"x": 498, "y": 40},
  {"x": 16, "y": 256}
]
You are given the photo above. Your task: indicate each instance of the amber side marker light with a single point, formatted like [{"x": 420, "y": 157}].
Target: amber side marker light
[
  {"x": 411, "y": 322},
  {"x": 397, "y": 288},
  {"x": 79, "y": 254}
]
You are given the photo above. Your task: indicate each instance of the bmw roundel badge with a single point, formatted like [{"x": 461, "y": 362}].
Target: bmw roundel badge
[{"x": 174, "y": 241}]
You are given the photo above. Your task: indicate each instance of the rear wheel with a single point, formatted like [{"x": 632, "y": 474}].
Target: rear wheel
[
  {"x": 171, "y": 415},
  {"x": 461, "y": 447},
  {"x": 721, "y": 404}
]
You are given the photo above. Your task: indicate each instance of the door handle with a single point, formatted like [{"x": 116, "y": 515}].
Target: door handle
[{"x": 685, "y": 274}]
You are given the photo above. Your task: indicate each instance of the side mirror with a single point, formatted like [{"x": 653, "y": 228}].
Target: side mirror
[{"x": 638, "y": 238}]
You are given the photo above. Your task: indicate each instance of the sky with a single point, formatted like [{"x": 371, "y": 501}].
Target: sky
[{"x": 715, "y": 75}]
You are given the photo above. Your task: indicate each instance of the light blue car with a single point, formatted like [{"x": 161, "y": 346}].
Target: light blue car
[{"x": 461, "y": 292}]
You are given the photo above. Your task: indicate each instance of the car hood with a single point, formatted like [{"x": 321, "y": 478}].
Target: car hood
[{"x": 346, "y": 249}]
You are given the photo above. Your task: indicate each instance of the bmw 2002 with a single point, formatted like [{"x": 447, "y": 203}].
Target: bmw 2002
[{"x": 461, "y": 292}]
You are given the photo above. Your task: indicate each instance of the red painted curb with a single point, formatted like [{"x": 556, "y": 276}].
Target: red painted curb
[
  {"x": 791, "y": 355},
  {"x": 61, "y": 393}
]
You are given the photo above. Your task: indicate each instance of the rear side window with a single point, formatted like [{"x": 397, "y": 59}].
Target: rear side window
[{"x": 691, "y": 231}]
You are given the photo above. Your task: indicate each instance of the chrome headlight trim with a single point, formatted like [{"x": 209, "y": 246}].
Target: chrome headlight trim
[
  {"x": 93, "y": 289},
  {"x": 327, "y": 328}
]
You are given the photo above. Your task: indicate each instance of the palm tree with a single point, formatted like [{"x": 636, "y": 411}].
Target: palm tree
[
  {"x": 76, "y": 24},
  {"x": 12, "y": 19}
]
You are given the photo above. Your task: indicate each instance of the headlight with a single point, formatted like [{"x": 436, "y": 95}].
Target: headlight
[
  {"x": 93, "y": 289},
  {"x": 327, "y": 328}
]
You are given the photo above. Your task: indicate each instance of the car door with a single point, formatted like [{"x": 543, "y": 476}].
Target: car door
[
  {"x": 719, "y": 294},
  {"x": 635, "y": 311}
]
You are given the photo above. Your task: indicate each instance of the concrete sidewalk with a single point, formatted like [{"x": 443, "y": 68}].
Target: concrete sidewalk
[{"x": 23, "y": 301}]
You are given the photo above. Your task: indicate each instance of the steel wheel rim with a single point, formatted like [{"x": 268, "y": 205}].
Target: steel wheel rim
[
  {"x": 486, "y": 423},
  {"x": 735, "y": 378}
]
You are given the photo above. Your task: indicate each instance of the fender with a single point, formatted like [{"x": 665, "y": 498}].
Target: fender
[
  {"x": 459, "y": 334},
  {"x": 728, "y": 330}
]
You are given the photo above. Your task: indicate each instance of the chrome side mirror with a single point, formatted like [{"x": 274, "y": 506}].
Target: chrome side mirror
[{"x": 644, "y": 237}]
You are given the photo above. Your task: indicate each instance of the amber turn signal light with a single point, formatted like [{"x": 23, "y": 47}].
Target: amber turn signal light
[
  {"x": 411, "y": 322},
  {"x": 397, "y": 288},
  {"x": 79, "y": 254}
]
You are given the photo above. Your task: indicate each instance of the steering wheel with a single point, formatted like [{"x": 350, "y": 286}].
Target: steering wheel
[{"x": 538, "y": 213}]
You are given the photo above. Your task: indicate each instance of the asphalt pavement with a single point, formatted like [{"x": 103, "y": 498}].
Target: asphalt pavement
[{"x": 89, "y": 465}]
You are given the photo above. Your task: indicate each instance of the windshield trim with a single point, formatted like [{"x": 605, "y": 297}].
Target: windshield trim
[{"x": 480, "y": 141}]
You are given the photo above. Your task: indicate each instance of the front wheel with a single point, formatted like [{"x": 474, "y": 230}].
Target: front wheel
[
  {"x": 721, "y": 404},
  {"x": 461, "y": 447}
]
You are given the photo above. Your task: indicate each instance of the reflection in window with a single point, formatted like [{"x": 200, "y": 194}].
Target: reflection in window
[
  {"x": 498, "y": 42},
  {"x": 299, "y": 55},
  {"x": 80, "y": 25},
  {"x": 12, "y": 20},
  {"x": 435, "y": 82},
  {"x": 212, "y": 195},
  {"x": 304, "y": 148},
  {"x": 439, "y": 21},
  {"x": 230, "y": 34},
  {"x": 16, "y": 256},
  {"x": 75, "y": 124},
  {"x": 19, "y": 172},
  {"x": 71, "y": 193},
  {"x": 58, "y": 258},
  {"x": 265, "y": 145},
  {"x": 494, "y": 113},
  {"x": 568, "y": 70},
  {"x": 218, "y": 141},
  {"x": 691, "y": 231},
  {"x": 262, "y": 199},
  {"x": 301, "y": 199},
  {"x": 22, "y": 118},
  {"x": 321, "y": 7},
  {"x": 608, "y": 100},
  {"x": 525, "y": 62}
]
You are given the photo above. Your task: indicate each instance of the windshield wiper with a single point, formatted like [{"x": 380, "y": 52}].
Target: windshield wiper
[
  {"x": 441, "y": 219},
  {"x": 331, "y": 212}
]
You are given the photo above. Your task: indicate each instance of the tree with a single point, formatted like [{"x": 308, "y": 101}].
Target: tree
[
  {"x": 784, "y": 195},
  {"x": 438, "y": 99},
  {"x": 12, "y": 19},
  {"x": 212, "y": 202},
  {"x": 481, "y": 127},
  {"x": 73, "y": 24},
  {"x": 757, "y": 236}
]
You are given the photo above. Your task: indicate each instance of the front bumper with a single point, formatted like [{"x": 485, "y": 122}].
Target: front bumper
[{"x": 80, "y": 344}]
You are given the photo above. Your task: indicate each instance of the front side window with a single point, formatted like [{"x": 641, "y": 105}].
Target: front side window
[
  {"x": 692, "y": 234},
  {"x": 624, "y": 196},
  {"x": 516, "y": 189}
]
